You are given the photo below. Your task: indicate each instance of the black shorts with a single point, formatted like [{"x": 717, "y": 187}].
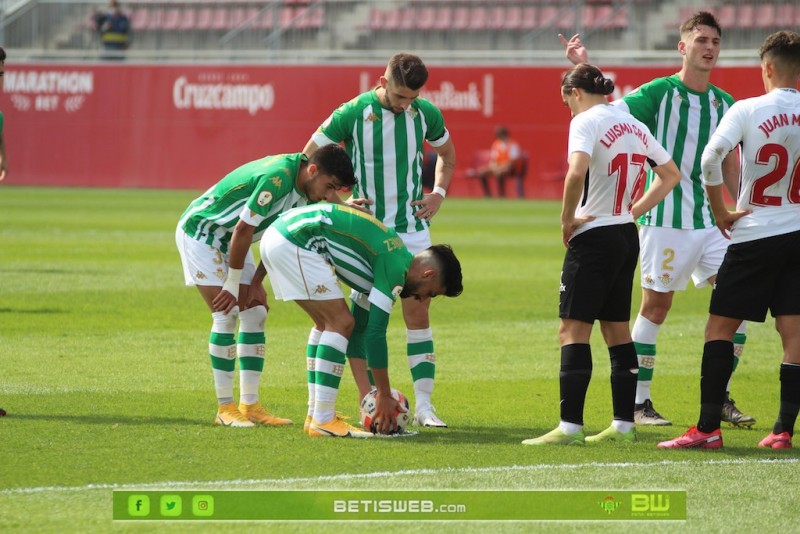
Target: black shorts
[
  {"x": 757, "y": 276},
  {"x": 597, "y": 276}
]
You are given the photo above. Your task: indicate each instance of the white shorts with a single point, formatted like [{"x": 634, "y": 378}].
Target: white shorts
[
  {"x": 417, "y": 241},
  {"x": 204, "y": 265},
  {"x": 296, "y": 273},
  {"x": 670, "y": 257}
]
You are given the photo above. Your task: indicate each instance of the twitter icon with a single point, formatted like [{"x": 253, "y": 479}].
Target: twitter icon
[{"x": 171, "y": 505}]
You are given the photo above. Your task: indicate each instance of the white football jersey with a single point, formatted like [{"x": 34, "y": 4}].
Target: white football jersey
[
  {"x": 622, "y": 149},
  {"x": 768, "y": 127}
]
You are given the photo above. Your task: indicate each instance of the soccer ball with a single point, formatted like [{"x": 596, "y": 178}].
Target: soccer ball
[{"x": 368, "y": 404}]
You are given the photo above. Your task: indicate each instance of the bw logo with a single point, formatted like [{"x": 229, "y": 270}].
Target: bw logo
[{"x": 652, "y": 502}]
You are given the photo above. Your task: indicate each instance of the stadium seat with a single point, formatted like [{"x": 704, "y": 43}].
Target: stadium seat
[
  {"x": 172, "y": 18},
  {"x": 478, "y": 19},
  {"x": 392, "y": 18},
  {"x": 139, "y": 18},
  {"x": 496, "y": 18},
  {"x": 219, "y": 20},
  {"x": 444, "y": 18},
  {"x": 764, "y": 16},
  {"x": 460, "y": 19},
  {"x": 619, "y": 20},
  {"x": 408, "y": 19},
  {"x": 307, "y": 18},
  {"x": 745, "y": 17},
  {"x": 784, "y": 14},
  {"x": 286, "y": 18},
  {"x": 236, "y": 17},
  {"x": 204, "y": 18},
  {"x": 155, "y": 21},
  {"x": 188, "y": 20},
  {"x": 426, "y": 17},
  {"x": 375, "y": 20},
  {"x": 512, "y": 19},
  {"x": 530, "y": 18},
  {"x": 726, "y": 16},
  {"x": 547, "y": 17}
]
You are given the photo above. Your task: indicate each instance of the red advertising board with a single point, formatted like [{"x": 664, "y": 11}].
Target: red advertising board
[{"x": 174, "y": 126}]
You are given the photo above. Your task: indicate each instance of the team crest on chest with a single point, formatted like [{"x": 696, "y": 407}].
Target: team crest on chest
[
  {"x": 413, "y": 112},
  {"x": 265, "y": 197},
  {"x": 716, "y": 103}
]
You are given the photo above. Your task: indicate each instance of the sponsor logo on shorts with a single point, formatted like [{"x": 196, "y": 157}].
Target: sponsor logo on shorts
[
  {"x": 321, "y": 290},
  {"x": 648, "y": 280},
  {"x": 200, "y": 275}
]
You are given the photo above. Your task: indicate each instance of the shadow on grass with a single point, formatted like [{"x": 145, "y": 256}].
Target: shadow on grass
[
  {"x": 42, "y": 311},
  {"x": 109, "y": 420}
]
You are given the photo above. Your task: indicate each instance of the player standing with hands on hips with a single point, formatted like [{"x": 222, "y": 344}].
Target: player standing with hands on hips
[
  {"x": 678, "y": 237},
  {"x": 609, "y": 152},
  {"x": 762, "y": 266},
  {"x": 384, "y": 131}
]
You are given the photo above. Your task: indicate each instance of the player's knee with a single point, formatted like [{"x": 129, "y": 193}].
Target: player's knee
[
  {"x": 343, "y": 324},
  {"x": 225, "y": 323},
  {"x": 253, "y": 318}
]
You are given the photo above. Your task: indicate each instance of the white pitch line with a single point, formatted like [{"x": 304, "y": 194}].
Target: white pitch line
[{"x": 206, "y": 484}]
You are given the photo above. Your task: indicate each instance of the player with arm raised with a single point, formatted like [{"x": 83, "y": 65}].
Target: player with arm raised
[
  {"x": 609, "y": 153},
  {"x": 678, "y": 237},
  {"x": 761, "y": 267}
]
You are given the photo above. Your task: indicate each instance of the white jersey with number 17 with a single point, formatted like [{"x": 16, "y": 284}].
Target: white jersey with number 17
[
  {"x": 768, "y": 127},
  {"x": 622, "y": 149}
]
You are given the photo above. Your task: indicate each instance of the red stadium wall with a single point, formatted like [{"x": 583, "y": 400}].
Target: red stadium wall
[{"x": 187, "y": 126}]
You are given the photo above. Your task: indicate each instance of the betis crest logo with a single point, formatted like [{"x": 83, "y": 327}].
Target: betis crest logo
[{"x": 609, "y": 505}]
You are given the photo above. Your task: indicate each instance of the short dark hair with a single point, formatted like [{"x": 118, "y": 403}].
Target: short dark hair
[
  {"x": 450, "y": 269},
  {"x": 2, "y": 54},
  {"x": 783, "y": 49},
  {"x": 587, "y": 77},
  {"x": 333, "y": 160},
  {"x": 408, "y": 70},
  {"x": 701, "y": 18}
]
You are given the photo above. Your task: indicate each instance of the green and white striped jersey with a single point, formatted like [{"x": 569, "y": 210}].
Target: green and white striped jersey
[
  {"x": 681, "y": 120},
  {"x": 367, "y": 256},
  {"x": 386, "y": 150},
  {"x": 257, "y": 192}
]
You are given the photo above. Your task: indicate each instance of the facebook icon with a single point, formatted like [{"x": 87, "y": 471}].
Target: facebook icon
[{"x": 138, "y": 505}]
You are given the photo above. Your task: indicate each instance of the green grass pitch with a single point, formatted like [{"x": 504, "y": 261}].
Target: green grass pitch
[{"x": 105, "y": 375}]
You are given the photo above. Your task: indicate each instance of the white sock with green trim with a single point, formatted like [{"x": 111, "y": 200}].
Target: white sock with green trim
[
  {"x": 250, "y": 347},
  {"x": 222, "y": 351},
  {"x": 311, "y": 355},
  {"x": 328, "y": 370},
  {"x": 422, "y": 362},
  {"x": 644, "y": 334}
]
